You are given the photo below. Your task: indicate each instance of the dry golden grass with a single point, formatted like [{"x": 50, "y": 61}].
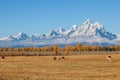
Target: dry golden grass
[{"x": 74, "y": 67}]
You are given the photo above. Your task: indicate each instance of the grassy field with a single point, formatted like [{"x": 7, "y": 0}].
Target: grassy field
[{"x": 74, "y": 67}]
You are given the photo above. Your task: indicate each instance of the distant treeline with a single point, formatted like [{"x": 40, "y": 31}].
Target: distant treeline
[{"x": 55, "y": 48}]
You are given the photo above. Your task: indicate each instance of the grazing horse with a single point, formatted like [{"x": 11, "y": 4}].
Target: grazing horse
[
  {"x": 59, "y": 58},
  {"x": 3, "y": 57},
  {"x": 63, "y": 58},
  {"x": 109, "y": 58},
  {"x": 54, "y": 58}
]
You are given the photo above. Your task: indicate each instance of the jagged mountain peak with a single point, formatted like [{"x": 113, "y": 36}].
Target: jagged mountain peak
[
  {"x": 90, "y": 29},
  {"x": 98, "y": 26},
  {"x": 55, "y": 32},
  {"x": 9, "y": 38},
  {"x": 88, "y": 21},
  {"x": 60, "y": 30},
  {"x": 74, "y": 27},
  {"x": 88, "y": 25},
  {"x": 21, "y": 36}
]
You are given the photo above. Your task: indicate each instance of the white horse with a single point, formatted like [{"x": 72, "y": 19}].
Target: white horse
[{"x": 109, "y": 58}]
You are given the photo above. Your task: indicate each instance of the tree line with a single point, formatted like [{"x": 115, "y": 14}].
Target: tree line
[{"x": 55, "y": 48}]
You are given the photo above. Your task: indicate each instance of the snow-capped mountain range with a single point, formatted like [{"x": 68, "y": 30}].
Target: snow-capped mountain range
[{"x": 89, "y": 34}]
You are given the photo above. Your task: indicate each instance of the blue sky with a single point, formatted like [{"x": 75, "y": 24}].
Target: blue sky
[{"x": 40, "y": 16}]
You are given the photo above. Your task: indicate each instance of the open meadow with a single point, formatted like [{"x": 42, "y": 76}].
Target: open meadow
[{"x": 74, "y": 67}]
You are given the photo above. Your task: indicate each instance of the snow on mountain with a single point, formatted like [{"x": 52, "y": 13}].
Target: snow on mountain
[
  {"x": 18, "y": 37},
  {"x": 71, "y": 31},
  {"x": 89, "y": 33},
  {"x": 37, "y": 36},
  {"x": 22, "y": 36},
  {"x": 9, "y": 38},
  {"x": 56, "y": 33},
  {"x": 89, "y": 29}
]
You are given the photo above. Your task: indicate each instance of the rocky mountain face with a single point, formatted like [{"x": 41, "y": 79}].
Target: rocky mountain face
[{"x": 89, "y": 34}]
